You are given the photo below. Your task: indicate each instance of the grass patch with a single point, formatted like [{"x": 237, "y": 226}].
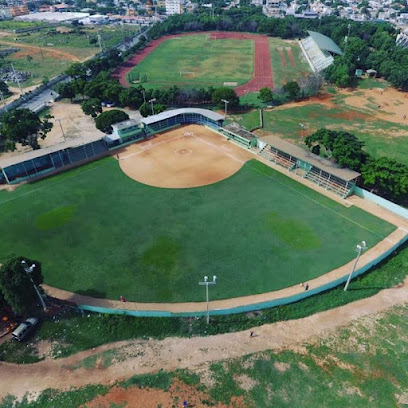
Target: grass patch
[
  {"x": 285, "y": 72},
  {"x": 367, "y": 83},
  {"x": 201, "y": 62},
  {"x": 382, "y": 138},
  {"x": 55, "y": 218},
  {"x": 161, "y": 236}
]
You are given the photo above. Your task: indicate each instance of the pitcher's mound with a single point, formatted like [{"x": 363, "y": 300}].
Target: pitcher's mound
[{"x": 188, "y": 156}]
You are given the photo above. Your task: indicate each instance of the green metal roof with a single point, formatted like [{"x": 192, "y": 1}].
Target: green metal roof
[{"x": 325, "y": 43}]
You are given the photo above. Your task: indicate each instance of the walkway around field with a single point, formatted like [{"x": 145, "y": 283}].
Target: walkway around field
[
  {"x": 150, "y": 356},
  {"x": 263, "y": 76}
]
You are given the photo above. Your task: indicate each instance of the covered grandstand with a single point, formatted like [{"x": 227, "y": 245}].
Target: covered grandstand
[
  {"x": 318, "y": 50},
  {"x": 174, "y": 117},
  {"x": 307, "y": 165}
]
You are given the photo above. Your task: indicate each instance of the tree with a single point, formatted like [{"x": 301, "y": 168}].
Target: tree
[
  {"x": 92, "y": 107},
  {"x": 67, "y": 90},
  {"x": 145, "y": 109},
  {"x": 4, "y": 88},
  {"x": 343, "y": 147},
  {"x": 386, "y": 176},
  {"x": 16, "y": 286},
  {"x": 225, "y": 93},
  {"x": 45, "y": 80},
  {"x": 106, "y": 119},
  {"x": 292, "y": 88},
  {"x": 132, "y": 97},
  {"x": 77, "y": 70},
  {"x": 266, "y": 95},
  {"x": 23, "y": 126}
]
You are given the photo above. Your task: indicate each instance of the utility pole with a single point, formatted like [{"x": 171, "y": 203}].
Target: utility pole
[
  {"x": 62, "y": 130},
  {"x": 151, "y": 102},
  {"x": 359, "y": 248},
  {"x": 205, "y": 283}
]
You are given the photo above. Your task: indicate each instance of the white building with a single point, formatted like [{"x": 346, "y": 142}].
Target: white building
[{"x": 174, "y": 7}]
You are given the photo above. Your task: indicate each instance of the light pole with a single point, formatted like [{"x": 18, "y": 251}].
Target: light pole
[
  {"x": 62, "y": 130},
  {"x": 347, "y": 38},
  {"x": 206, "y": 282},
  {"x": 226, "y": 105},
  {"x": 359, "y": 248},
  {"x": 151, "y": 102},
  {"x": 303, "y": 126},
  {"x": 28, "y": 270}
]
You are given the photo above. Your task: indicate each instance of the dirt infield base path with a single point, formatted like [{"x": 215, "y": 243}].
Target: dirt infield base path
[
  {"x": 149, "y": 356},
  {"x": 188, "y": 156}
]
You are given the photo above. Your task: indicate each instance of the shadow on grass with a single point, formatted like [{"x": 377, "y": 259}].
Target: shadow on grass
[{"x": 91, "y": 292}]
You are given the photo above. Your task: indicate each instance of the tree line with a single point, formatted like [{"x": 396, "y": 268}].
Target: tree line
[{"x": 384, "y": 176}]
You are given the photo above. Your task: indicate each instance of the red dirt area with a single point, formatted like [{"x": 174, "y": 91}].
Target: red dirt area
[
  {"x": 263, "y": 76},
  {"x": 282, "y": 57},
  {"x": 290, "y": 55},
  {"x": 152, "y": 398}
]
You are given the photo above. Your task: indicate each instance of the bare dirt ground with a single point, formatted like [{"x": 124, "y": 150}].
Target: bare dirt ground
[
  {"x": 387, "y": 104},
  {"x": 188, "y": 156},
  {"x": 48, "y": 52},
  {"x": 75, "y": 125},
  {"x": 153, "y": 398},
  {"x": 150, "y": 356}
]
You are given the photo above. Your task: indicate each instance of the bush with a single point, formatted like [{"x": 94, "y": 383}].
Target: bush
[{"x": 106, "y": 119}]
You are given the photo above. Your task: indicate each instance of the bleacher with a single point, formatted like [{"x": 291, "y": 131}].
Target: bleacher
[
  {"x": 320, "y": 59},
  {"x": 318, "y": 50},
  {"x": 308, "y": 166},
  {"x": 278, "y": 157},
  {"x": 328, "y": 181}
]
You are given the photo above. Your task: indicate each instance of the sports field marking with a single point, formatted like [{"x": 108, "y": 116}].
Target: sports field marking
[
  {"x": 220, "y": 150},
  {"x": 321, "y": 204}
]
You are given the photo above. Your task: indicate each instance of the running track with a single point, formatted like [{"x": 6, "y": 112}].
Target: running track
[{"x": 263, "y": 76}]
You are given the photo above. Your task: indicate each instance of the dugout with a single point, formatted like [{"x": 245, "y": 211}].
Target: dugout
[
  {"x": 171, "y": 118},
  {"x": 240, "y": 135}
]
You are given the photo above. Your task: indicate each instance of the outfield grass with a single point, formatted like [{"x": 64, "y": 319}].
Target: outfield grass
[
  {"x": 209, "y": 62},
  {"x": 283, "y": 74},
  {"x": 98, "y": 232},
  {"x": 375, "y": 134}
]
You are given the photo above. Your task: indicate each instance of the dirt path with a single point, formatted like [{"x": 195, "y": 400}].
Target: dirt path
[
  {"x": 53, "y": 53},
  {"x": 149, "y": 356}
]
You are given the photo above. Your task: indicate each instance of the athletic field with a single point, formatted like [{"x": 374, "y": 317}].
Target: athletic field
[
  {"x": 99, "y": 232},
  {"x": 198, "y": 60}
]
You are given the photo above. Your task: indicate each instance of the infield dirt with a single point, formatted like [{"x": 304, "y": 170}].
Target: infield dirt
[{"x": 188, "y": 156}]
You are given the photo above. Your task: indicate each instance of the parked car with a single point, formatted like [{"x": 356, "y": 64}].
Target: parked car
[{"x": 25, "y": 328}]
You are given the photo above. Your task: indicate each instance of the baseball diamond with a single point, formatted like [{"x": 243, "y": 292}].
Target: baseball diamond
[{"x": 148, "y": 222}]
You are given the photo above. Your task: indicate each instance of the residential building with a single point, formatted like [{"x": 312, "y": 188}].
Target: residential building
[{"x": 174, "y": 7}]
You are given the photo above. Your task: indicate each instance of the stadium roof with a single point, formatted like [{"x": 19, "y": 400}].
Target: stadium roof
[
  {"x": 174, "y": 112},
  {"x": 317, "y": 161},
  {"x": 325, "y": 43}
]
